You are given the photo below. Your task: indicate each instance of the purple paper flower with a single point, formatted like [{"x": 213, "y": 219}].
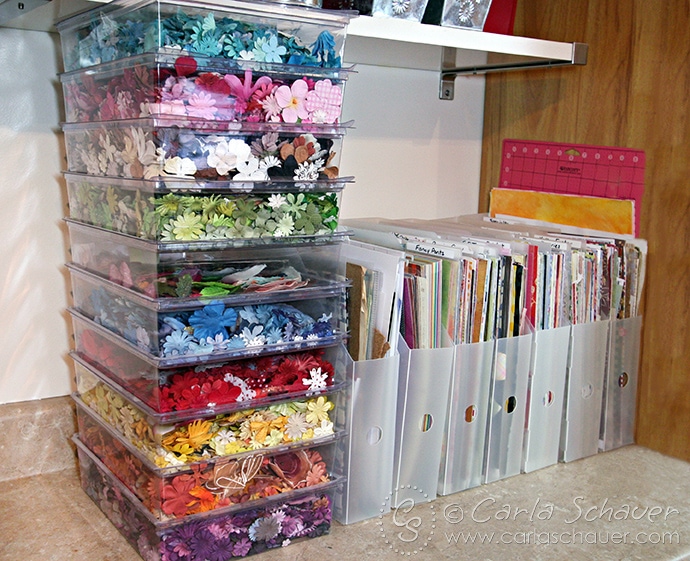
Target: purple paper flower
[
  {"x": 242, "y": 547},
  {"x": 223, "y": 549}
]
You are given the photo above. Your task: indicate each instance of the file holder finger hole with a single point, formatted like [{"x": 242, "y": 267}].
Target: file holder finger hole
[
  {"x": 470, "y": 414},
  {"x": 587, "y": 391},
  {"x": 623, "y": 380},
  {"x": 548, "y": 398},
  {"x": 510, "y": 404},
  {"x": 427, "y": 422},
  {"x": 374, "y": 435}
]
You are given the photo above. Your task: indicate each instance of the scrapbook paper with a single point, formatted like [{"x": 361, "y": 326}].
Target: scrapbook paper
[
  {"x": 386, "y": 297},
  {"x": 362, "y": 306},
  {"x": 595, "y": 213}
]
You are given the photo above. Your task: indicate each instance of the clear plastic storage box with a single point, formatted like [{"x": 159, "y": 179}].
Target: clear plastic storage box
[
  {"x": 185, "y": 210},
  {"x": 201, "y": 149},
  {"x": 214, "y": 326},
  {"x": 188, "y": 390},
  {"x": 232, "y": 29},
  {"x": 204, "y": 88},
  {"x": 270, "y": 523},
  {"x": 223, "y": 483},
  {"x": 206, "y": 268},
  {"x": 219, "y": 432}
]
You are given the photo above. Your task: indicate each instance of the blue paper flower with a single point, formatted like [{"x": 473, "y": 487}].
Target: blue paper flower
[
  {"x": 212, "y": 320},
  {"x": 324, "y": 48},
  {"x": 273, "y": 51},
  {"x": 177, "y": 343}
]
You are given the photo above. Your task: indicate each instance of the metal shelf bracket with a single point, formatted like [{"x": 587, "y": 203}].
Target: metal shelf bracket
[{"x": 449, "y": 68}]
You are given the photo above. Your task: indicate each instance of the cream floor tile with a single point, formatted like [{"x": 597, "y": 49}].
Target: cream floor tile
[{"x": 49, "y": 518}]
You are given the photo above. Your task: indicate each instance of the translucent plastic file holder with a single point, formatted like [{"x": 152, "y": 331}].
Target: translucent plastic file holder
[
  {"x": 507, "y": 407},
  {"x": 584, "y": 390},
  {"x": 546, "y": 396},
  {"x": 423, "y": 384},
  {"x": 620, "y": 385},
  {"x": 368, "y": 449},
  {"x": 464, "y": 440}
]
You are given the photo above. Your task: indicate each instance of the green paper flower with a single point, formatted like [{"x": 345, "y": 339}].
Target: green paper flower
[
  {"x": 244, "y": 212},
  {"x": 310, "y": 221},
  {"x": 188, "y": 227}
]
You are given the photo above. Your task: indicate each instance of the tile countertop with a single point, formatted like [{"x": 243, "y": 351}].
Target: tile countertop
[{"x": 629, "y": 504}]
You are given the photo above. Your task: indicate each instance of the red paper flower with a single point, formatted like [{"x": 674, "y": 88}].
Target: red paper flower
[
  {"x": 213, "y": 83},
  {"x": 185, "y": 65},
  {"x": 176, "y": 496}
]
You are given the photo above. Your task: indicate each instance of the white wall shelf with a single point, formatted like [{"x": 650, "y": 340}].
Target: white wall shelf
[
  {"x": 376, "y": 41},
  {"x": 451, "y": 51}
]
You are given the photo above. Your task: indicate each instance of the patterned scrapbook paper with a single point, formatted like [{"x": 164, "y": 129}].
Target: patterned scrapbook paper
[{"x": 593, "y": 213}]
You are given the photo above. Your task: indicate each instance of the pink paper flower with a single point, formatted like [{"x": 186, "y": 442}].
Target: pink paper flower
[
  {"x": 292, "y": 101},
  {"x": 243, "y": 90},
  {"x": 324, "y": 101},
  {"x": 202, "y": 105}
]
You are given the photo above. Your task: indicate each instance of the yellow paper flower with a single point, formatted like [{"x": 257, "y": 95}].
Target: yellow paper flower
[
  {"x": 234, "y": 447},
  {"x": 192, "y": 437},
  {"x": 261, "y": 429},
  {"x": 317, "y": 410}
]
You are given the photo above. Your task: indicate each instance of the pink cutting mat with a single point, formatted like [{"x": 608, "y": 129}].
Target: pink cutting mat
[{"x": 575, "y": 169}]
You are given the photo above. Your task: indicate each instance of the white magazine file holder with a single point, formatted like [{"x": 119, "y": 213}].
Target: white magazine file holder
[
  {"x": 464, "y": 439},
  {"x": 620, "y": 384},
  {"x": 507, "y": 407},
  {"x": 367, "y": 453},
  {"x": 584, "y": 390},
  {"x": 422, "y": 407},
  {"x": 546, "y": 393}
]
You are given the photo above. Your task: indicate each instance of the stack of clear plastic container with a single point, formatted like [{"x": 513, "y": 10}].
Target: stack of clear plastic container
[{"x": 203, "y": 143}]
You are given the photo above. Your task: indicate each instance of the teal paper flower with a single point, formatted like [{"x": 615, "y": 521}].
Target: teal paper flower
[{"x": 273, "y": 51}]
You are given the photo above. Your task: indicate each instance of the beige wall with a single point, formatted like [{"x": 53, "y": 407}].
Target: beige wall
[
  {"x": 410, "y": 153},
  {"x": 633, "y": 92}
]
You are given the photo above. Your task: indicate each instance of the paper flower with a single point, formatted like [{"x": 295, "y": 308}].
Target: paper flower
[
  {"x": 317, "y": 410},
  {"x": 273, "y": 52},
  {"x": 177, "y": 343},
  {"x": 324, "y": 102},
  {"x": 187, "y": 226},
  {"x": 226, "y": 154},
  {"x": 292, "y": 101},
  {"x": 317, "y": 379},
  {"x": 202, "y": 105},
  {"x": 213, "y": 319},
  {"x": 179, "y": 167},
  {"x": 250, "y": 171}
]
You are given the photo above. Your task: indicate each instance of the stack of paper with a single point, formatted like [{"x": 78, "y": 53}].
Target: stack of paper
[{"x": 476, "y": 280}]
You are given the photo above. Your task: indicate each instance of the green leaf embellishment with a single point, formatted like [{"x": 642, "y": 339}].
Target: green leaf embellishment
[
  {"x": 184, "y": 286},
  {"x": 213, "y": 289},
  {"x": 214, "y": 292}
]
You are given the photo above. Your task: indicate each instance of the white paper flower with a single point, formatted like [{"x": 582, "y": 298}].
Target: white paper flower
[
  {"x": 269, "y": 162},
  {"x": 179, "y": 167},
  {"x": 285, "y": 226},
  {"x": 324, "y": 429},
  {"x": 226, "y": 154},
  {"x": 250, "y": 170},
  {"x": 317, "y": 379},
  {"x": 276, "y": 201},
  {"x": 308, "y": 171}
]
